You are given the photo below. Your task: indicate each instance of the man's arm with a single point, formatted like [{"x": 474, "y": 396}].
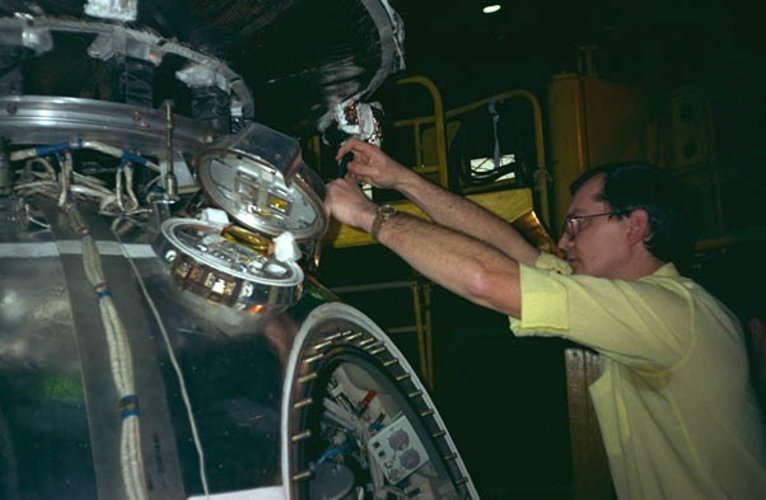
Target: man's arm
[
  {"x": 468, "y": 267},
  {"x": 373, "y": 166}
]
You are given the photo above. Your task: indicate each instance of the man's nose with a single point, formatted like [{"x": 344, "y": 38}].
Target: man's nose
[{"x": 565, "y": 242}]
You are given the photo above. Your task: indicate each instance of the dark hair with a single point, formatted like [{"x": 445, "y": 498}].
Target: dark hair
[{"x": 670, "y": 203}]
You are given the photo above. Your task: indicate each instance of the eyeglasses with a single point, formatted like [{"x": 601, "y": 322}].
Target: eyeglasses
[{"x": 572, "y": 224}]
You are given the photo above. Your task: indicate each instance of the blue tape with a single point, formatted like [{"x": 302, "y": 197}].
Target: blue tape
[
  {"x": 129, "y": 406},
  {"x": 329, "y": 454},
  {"x": 53, "y": 148},
  {"x": 134, "y": 158},
  {"x": 128, "y": 413}
]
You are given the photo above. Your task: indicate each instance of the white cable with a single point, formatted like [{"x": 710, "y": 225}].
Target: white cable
[
  {"x": 103, "y": 148},
  {"x": 120, "y": 360},
  {"x": 46, "y": 165},
  {"x": 92, "y": 182},
  {"x": 129, "y": 188},
  {"x": 68, "y": 181},
  {"x": 105, "y": 202},
  {"x": 152, "y": 183},
  {"x": 176, "y": 367},
  {"x": 116, "y": 152},
  {"x": 107, "y": 149},
  {"x": 38, "y": 184},
  {"x": 125, "y": 463},
  {"x": 37, "y": 222},
  {"x": 89, "y": 191},
  {"x": 118, "y": 189},
  {"x": 64, "y": 179}
]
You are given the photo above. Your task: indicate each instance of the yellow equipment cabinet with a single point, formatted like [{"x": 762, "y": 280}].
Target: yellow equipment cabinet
[{"x": 592, "y": 122}]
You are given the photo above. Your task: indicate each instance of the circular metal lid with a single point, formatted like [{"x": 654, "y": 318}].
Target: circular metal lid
[
  {"x": 203, "y": 261},
  {"x": 260, "y": 179}
]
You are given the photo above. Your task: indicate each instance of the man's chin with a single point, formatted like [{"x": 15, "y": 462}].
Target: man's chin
[{"x": 575, "y": 266}]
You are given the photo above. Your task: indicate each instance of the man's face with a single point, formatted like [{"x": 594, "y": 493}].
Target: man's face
[{"x": 599, "y": 247}]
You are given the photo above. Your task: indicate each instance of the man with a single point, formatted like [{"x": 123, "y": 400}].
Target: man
[{"x": 677, "y": 414}]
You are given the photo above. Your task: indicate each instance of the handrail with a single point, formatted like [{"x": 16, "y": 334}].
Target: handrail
[
  {"x": 440, "y": 118},
  {"x": 441, "y": 129}
]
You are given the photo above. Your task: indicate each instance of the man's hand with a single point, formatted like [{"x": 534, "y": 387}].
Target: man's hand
[
  {"x": 371, "y": 165},
  {"x": 346, "y": 201}
]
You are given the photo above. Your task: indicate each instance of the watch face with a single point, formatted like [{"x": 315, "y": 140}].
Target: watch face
[{"x": 387, "y": 210}]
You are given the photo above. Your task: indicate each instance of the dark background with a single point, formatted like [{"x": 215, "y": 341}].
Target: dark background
[
  {"x": 504, "y": 398},
  {"x": 657, "y": 44}
]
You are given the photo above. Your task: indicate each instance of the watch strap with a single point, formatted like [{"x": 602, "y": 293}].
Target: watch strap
[{"x": 385, "y": 212}]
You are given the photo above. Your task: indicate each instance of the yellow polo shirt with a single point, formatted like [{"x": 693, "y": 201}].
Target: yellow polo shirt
[{"x": 678, "y": 417}]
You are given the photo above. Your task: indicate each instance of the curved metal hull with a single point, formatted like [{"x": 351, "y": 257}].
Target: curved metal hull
[{"x": 246, "y": 376}]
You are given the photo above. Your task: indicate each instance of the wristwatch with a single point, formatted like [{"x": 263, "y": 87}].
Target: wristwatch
[{"x": 385, "y": 212}]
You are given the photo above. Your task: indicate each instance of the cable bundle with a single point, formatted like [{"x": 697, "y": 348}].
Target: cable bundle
[
  {"x": 120, "y": 360},
  {"x": 122, "y": 203}
]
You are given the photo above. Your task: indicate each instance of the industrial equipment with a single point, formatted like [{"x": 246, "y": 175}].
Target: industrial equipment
[{"x": 161, "y": 334}]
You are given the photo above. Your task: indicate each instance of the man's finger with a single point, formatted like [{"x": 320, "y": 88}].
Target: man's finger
[{"x": 347, "y": 146}]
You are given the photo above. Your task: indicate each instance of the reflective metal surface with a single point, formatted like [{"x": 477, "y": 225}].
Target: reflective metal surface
[
  {"x": 60, "y": 408},
  {"x": 41, "y": 390},
  {"x": 60, "y": 405},
  {"x": 50, "y": 120},
  {"x": 287, "y": 62},
  {"x": 258, "y": 176},
  {"x": 349, "y": 392},
  {"x": 201, "y": 260},
  {"x": 229, "y": 384},
  {"x": 26, "y": 27},
  {"x": 148, "y": 342}
]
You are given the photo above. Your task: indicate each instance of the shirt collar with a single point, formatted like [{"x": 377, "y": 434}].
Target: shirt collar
[{"x": 668, "y": 271}]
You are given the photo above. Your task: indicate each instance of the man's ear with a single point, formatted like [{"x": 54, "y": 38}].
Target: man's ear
[{"x": 638, "y": 226}]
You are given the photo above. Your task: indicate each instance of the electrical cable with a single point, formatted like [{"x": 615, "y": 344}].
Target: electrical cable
[
  {"x": 120, "y": 360},
  {"x": 120, "y": 356},
  {"x": 80, "y": 144},
  {"x": 123, "y": 202},
  {"x": 60, "y": 187},
  {"x": 174, "y": 363},
  {"x": 64, "y": 178}
]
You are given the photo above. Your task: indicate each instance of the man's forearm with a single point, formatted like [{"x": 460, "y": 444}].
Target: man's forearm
[
  {"x": 460, "y": 263},
  {"x": 465, "y": 216}
]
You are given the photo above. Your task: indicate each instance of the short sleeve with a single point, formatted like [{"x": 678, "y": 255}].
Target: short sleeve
[
  {"x": 543, "y": 302},
  {"x": 541, "y": 297},
  {"x": 547, "y": 261},
  {"x": 644, "y": 323}
]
